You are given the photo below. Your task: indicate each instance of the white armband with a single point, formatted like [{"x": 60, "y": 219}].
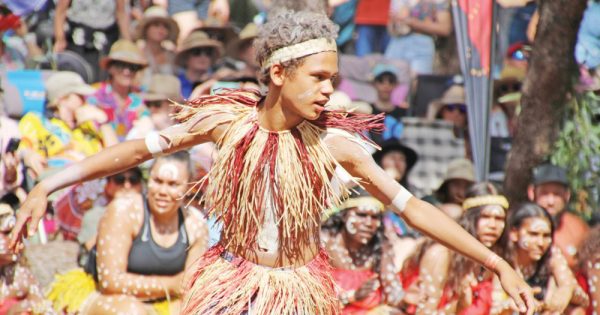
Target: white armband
[
  {"x": 399, "y": 202},
  {"x": 152, "y": 141}
]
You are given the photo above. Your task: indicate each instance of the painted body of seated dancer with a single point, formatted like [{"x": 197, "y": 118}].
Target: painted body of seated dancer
[
  {"x": 588, "y": 271},
  {"x": 361, "y": 256},
  {"x": 475, "y": 289},
  {"x": 20, "y": 292},
  {"x": 529, "y": 248},
  {"x": 271, "y": 181},
  {"x": 144, "y": 243},
  {"x": 451, "y": 284}
]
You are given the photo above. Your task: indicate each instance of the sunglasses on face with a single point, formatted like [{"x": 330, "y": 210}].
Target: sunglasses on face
[
  {"x": 125, "y": 65},
  {"x": 460, "y": 107},
  {"x": 510, "y": 87},
  {"x": 121, "y": 179},
  {"x": 208, "y": 52}
]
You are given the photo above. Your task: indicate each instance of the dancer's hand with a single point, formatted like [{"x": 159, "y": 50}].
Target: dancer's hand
[
  {"x": 30, "y": 213},
  {"x": 517, "y": 289}
]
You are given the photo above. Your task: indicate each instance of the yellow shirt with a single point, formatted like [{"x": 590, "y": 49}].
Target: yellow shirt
[{"x": 52, "y": 137}]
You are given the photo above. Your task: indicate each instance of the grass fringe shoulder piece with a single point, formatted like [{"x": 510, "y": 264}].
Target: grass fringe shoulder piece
[{"x": 288, "y": 171}]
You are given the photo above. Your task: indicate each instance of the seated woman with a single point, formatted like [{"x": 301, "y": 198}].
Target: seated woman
[
  {"x": 427, "y": 274},
  {"x": 529, "y": 248},
  {"x": 360, "y": 256},
  {"x": 476, "y": 289},
  {"x": 145, "y": 242}
]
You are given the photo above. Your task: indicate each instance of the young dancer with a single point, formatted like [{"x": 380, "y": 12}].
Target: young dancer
[{"x": 272, "y": 180}]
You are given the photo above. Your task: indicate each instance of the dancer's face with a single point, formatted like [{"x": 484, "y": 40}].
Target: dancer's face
[
  {"x": 490, "y": 224},
  {"x": 533, "y": 237},
  {"x": 306, "y": 89},
  {"x": 361, "y": 223},
  {"x": 166, "y": 186}
]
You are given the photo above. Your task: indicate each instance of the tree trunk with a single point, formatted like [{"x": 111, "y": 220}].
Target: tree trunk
[{"x": 552, "y": 71}]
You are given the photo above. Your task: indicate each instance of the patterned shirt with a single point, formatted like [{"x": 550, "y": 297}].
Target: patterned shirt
[{"x": 121, "y": 118}]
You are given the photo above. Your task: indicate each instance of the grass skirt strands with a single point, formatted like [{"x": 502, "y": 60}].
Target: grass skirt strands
[
  {"x": 74, "y": 291},
  {"x": 289, "y": 170},
  {"x": 222, "y": 284}
]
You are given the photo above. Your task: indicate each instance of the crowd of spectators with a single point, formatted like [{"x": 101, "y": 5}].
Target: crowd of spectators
[{"x": 110, "y": 70}]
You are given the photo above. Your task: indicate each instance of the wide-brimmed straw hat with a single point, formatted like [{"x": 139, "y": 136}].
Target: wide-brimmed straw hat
[
  {"x": 63, "y": 83},
  {"x": 157, "y": 14},
  {"x": 125, "y": 51},
  {"x": 455, "y": 94},
  {"x": 248, "y": 34},
  {"x": 197, "y": 39},
  {"x": 163, "y": 87},
  {"x": 459, "y": 169}
]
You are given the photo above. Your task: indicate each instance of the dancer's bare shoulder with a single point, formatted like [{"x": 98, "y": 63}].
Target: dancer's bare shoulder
[{"x": 345, "y": 147}]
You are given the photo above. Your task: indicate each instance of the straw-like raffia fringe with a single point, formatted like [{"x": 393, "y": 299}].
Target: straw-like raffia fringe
[
  {"x": 70, "y": 290},
  {"x": 222, "y": 287},
  {"x": 245, "y": 98},
  {"x": 355, "y": 123},
  {"x": 295, "y": 165}
]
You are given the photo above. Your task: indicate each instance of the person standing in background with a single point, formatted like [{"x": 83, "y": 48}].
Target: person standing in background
[
  {"x": 90, "y": 27},
  {"x": 371, "y": 26}
]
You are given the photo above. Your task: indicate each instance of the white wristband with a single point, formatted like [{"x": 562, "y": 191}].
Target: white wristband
[
  {"x": 152, "y": 141},
  {"x": 399, "y": 202}
]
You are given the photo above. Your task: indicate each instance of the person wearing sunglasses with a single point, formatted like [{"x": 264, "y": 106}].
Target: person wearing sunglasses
[
  {"x": 196, "y": 56},
  {"x": 145, "y": 241},
  {"x": 128, "y": 181},
  {"x": 451, "y": 107},
  {"x": 118, "y": 96}
]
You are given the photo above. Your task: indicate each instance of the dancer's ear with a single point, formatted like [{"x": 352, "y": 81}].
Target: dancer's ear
[{"x": 278, "y": 74}]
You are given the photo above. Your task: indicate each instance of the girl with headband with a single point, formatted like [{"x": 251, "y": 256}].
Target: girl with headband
[
  {"x": 361, "y": 256},
  {"x": 529, "y": 247}
]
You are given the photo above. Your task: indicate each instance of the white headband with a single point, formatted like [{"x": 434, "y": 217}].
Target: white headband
[{"x": 299, "y": 50}]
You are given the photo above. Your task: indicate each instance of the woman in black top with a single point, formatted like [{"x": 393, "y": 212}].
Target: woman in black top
[{"x": 144, "y": 245}]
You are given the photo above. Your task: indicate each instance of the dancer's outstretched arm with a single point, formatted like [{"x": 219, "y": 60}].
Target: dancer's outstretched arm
[
  {"x": 115, "y": 159},
  {"x": 427, "y": 218}
]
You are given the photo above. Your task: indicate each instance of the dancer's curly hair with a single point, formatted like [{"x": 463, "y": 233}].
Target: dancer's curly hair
[{"x": 285, "y": 28}]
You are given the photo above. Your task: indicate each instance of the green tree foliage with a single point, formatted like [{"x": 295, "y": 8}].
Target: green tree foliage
[{"x": 578, "y": 150}]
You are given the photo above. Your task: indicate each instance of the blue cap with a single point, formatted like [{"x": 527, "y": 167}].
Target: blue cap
[{"x": 382, "y": 68}]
